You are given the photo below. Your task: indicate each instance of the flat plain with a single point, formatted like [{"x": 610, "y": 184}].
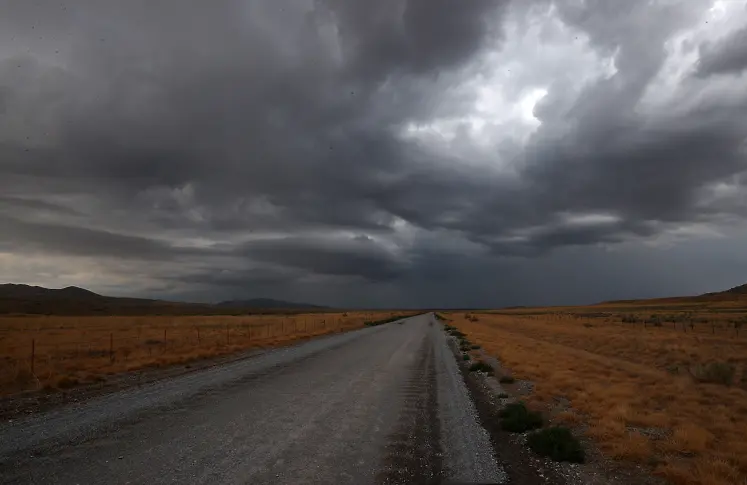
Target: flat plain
[
  {"x": 659, "y": 384},
  {"x": 61, "y": 352}
]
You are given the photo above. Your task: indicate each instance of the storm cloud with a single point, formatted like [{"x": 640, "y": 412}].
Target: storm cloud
[{"x": 391, "y": 153}]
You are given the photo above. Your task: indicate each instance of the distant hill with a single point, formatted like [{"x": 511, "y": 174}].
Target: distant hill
[
  {"x": 37, "y": 300},
  {"x": 37, "y": 292},
  {"x": 737, "y": 290},
  {"x": 265, "y": 303},
  {"x": 736, "y": 294}
]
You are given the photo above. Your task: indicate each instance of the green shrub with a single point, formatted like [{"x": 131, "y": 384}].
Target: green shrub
[
  {"x": 715, "y": 373},
  {"x": 474, "y": 347},
  {"x": 556, "y": 443},
  {"x": 507, "y": 380},
  {"x": 516, "y": 418},
  {"x": 465, "y": 357},
  {"x": 481, "y": 366}
]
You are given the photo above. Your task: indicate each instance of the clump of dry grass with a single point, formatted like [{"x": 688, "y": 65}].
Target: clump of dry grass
[
  {"x": 689, "y": 426},
  {"x": 68, "y": 351}
]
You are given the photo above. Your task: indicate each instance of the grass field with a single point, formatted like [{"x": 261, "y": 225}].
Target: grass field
[
  {"x": 58, "y": 352},
  {"x": 667, "y": 390}
]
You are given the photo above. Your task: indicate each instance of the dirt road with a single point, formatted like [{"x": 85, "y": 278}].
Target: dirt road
[{"x": 380, "y": 405}]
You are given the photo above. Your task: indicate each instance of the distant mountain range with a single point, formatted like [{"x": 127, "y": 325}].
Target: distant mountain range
[
  {"x": 264, "y": 303},
  {"x": 26, "y": 299}
]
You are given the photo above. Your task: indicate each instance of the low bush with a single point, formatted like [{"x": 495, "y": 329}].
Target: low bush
[
  {"x": 507, "y": 380},
  {"x": 556, "y": 443},
  {"x": 67, "y": 382},
  {"x": 481, "y": 366},
  {"x": 517, "y": 418},
  {"x": 465, "y": 357},
  {"x": 715, "y": 373},
  {"x": 474, "y": 347}
]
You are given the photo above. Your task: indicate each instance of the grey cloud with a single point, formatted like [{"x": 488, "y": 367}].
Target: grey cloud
[
  {"x": 728, "y": 56},
  {"x": 399, "y": 37},
  {"x": 342, "y": 256},
  {"x": 81, "y": 241},
  {"x": 281, "y": 123},
  {"x": 14, "y": 205}
]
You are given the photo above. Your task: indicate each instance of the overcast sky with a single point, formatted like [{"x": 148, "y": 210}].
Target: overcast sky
[{"x": 375, "y": 153}]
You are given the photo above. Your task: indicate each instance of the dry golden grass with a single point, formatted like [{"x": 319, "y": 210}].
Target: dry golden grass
[
  {"x": 633, "y": 386},
  {"x": 68, "y": 351}
]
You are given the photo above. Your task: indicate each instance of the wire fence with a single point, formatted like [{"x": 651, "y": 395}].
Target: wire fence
[{"x": 72, "y": 353}]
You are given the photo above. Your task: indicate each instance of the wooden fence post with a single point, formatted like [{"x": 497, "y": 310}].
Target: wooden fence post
[{"x": 33, "y": 354}]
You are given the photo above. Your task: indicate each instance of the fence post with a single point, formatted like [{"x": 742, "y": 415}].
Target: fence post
[
  {"x": 33, "y": 354},
  {"x": 164, "y": 336},
  {"x": 111, "y": 348}
]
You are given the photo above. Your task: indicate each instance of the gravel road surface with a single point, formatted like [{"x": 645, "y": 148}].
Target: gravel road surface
[{"x": 382, "y": 405}]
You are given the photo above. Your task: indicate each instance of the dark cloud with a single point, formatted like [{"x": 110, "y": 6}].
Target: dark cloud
[
  {"x": 81, "y": 241},
  {"x": 393, "y": 38},
  {"x": 727, "y": 56},
  {"x": 19, "y": 204},
  {"x": 349, "y": 256},
  {"x": 284, "y": 148}
]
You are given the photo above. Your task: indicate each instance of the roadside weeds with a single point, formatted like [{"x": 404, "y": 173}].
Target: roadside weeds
[{"x": 529, "y": 455}]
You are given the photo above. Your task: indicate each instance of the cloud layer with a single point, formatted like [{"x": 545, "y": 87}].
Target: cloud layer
[{"x": 402, "y": 152}]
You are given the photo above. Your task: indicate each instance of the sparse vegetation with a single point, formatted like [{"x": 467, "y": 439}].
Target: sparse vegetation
[
  {"x": 67, "y": 382},
  {"x": 517, "y": 418},
  {"x": 60, "y": 352},
  {"x": 715, "y": 372},
  {"x": 672, "y": 397},
  {"x": 506, "y": 380},
  {"x": 481, "y": 366},
  {"x": 556, "y": 443},
  {"x": 465, "y": 357}
]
